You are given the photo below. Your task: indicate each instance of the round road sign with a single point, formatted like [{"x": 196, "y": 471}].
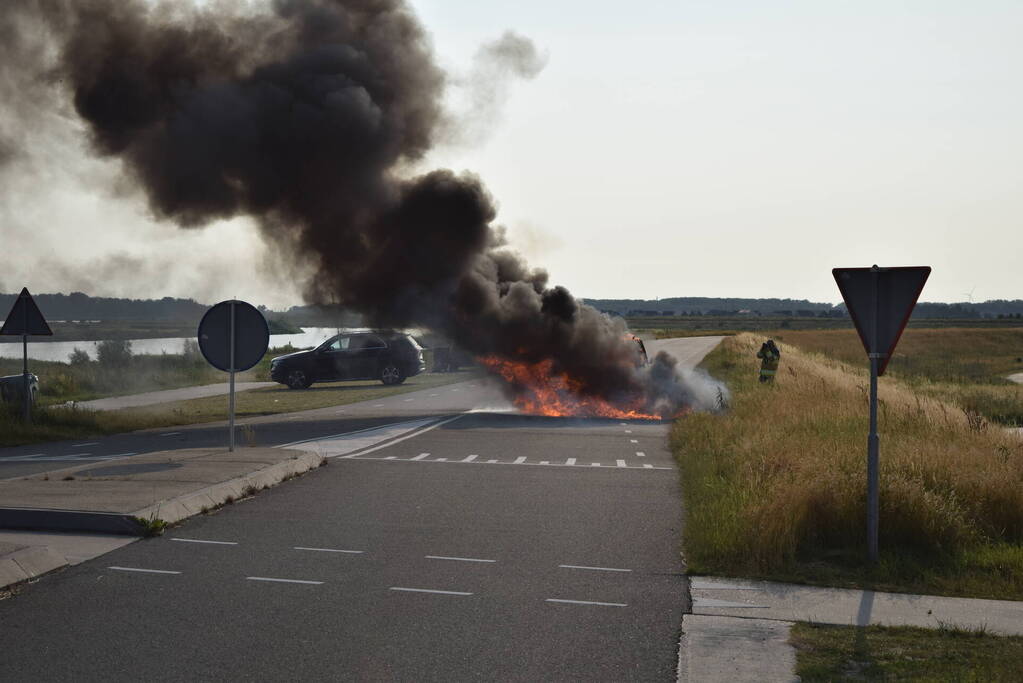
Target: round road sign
[{"x": 251, "y": 335}]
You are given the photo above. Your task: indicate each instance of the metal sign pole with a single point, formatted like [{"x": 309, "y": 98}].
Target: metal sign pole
[
  {"x": 873, "y": 444},
  {"x": 24, "y": 365},
  {"x": 231, "y": 392},
  {"x": 24, "y": 375}
]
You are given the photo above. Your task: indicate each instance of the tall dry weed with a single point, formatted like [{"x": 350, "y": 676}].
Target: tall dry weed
[{"x": 786, "y": 467}]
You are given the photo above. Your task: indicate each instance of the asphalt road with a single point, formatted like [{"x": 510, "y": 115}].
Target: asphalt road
[{"x": 479, "y": 545}]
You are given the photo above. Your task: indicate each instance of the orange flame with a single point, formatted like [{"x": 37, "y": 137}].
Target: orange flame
[{"x": 544, "y": 392}]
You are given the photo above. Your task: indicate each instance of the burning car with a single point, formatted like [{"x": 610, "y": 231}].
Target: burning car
[{"x": 388, "y": 356}]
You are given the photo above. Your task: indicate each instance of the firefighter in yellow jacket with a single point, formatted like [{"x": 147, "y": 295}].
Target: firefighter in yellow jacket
[{"x": 769, "y": 365}]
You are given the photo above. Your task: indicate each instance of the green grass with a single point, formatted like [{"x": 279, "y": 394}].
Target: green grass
[
  {"x": 832, "y": 653},
  {"x": 775, "y": 488},
  {"x": 688, "y": 326},
  {"x": 965, "y": 366},
  {"x": 54, "y": 423}
]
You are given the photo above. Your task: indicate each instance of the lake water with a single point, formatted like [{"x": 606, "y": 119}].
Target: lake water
[{"x": 60, "y": 350}]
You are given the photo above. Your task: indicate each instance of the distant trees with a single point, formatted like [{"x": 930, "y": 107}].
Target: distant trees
[
  {"x": 78, "y": 357},
  {"x": 114, "y": 352}
]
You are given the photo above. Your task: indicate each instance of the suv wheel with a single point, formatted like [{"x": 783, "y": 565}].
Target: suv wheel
[
  {"x": 391, "y": 374},
  {"x": 297, "y": 379}
]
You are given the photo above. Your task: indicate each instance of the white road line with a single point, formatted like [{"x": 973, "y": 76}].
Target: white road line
[
  {"x": 122, "y": 455},
  {"x": 379, "y": 405},
  {"x": 633, "y": 440},
  {"x": 421, "y": 456},
  {"x": 641, "y": 454},
  {"x": 587, "y": 602},
  {"x": 545, "y": 462},
  {"x": 196, "y": 540},
  {"x": 330, "y": 550},
  {"x": 145, "y": 571},
  {"x": 427, "y": 590},
  {"x": 391, "y": 457},
  {"x": 628, "y": 431},
  {"x": 621, "y": 463},
  {"x": 570, "y": 462},
  {"x": 409, "y": 399},
  {"x": 469, "y": 458},
  {"x": 526, "y": 464},
  {"x": 457, "y": 559},
  {"x": 596, "y": 569},
  {"x": 267, "y": 578},
  {"x": 432, "y": 395},
  {"x": 83, "y": 445},
  {"x": 170, "y": 434},
  {"x": 519, "y": 460},
  {"x": 414, "y": 434},
  {"x": 79, "y": 455}
]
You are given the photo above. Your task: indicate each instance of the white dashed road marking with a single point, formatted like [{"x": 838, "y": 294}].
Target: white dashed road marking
[
  {"x": 570, "y": 462},
  {"x": 519, "y": 460},
  {"x": 330, "y": 550},
  {"x": 428, "y": 590},
  {"x": 596, "y": 569},
  {"x": 641, "y": 454},
  {"x": 633, "y": 440},
  {"x": 170, "y": 434},
  {"x": 457, "y": 559},
  {"x": 587, "y": 602},
  {"x": 621, "y": 463},
  {"x": 469, "y": 458},
  {"x": 196, "y": 540},
  {"x": 83, "y": 445},
  {"x": 144, "y": 571},
  {"x": 267, "y": 578},
  {"x": 421, "y": 456}
]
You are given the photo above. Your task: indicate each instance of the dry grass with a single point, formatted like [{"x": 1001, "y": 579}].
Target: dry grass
[
  {"x": 965, "y": 366},
  {"x": 777, "y": 486}
]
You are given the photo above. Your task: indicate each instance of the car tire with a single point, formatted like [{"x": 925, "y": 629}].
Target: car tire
[
  {"x": 297, "y": 379},
  {"x": 391, "y": 374}
]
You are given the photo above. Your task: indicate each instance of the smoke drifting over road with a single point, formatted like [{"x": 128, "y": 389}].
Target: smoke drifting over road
[{"x": 306, "y": 115}]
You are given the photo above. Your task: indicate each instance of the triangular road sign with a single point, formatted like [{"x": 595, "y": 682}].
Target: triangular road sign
[
  {"x": 880, "y": 301},
  {"x": 25, "y": 318}
]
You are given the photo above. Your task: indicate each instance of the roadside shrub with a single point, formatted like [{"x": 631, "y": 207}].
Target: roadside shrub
[
  {"x": 114, "y": 352},
  {"x": 79, "y": 357}
]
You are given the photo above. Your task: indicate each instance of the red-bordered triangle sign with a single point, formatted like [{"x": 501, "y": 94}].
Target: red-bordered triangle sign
[
  {"x": 25, "y": 318},
  {"x": 880, "y": 301}
]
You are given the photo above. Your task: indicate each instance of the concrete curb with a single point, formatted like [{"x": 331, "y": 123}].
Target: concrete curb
[
  {"x": 28, "y": 563},
  {"x": 191, "y": 504}
]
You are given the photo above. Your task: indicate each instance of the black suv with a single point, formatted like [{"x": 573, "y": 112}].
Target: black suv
[{"x": 387, "y": 356}]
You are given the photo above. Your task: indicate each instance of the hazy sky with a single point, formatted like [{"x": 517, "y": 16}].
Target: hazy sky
[{"x": 717, "y": 148}]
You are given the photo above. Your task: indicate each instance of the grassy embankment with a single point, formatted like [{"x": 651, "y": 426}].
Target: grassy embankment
[
  {"x": 966, "y": 366},
  {"x": 663, "y": 327},
  {"x": 830, "y": 653},
  {"x": 775, "y": 488}
]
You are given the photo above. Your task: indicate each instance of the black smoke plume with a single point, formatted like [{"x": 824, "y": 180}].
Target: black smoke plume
[{"x": 306, "y": 115}]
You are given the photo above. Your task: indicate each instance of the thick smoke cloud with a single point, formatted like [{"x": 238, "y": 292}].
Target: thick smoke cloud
[{"x": 306, "y": 115}]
